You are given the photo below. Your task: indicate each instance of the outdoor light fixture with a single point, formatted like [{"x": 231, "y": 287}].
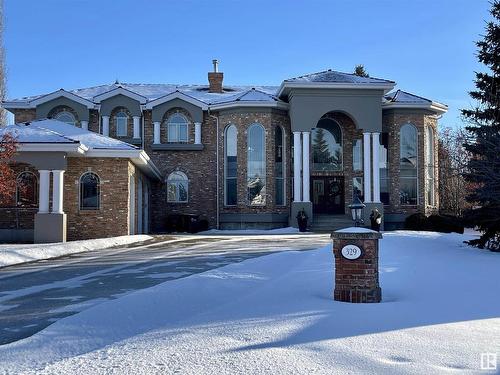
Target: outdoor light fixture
[{"x": 357, "y": 210}]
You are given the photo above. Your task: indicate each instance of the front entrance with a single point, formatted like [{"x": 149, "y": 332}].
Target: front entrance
[{"x": 328, "y": 195}]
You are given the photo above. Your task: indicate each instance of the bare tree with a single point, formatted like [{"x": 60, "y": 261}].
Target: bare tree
[{"x": 453, "y": 161}]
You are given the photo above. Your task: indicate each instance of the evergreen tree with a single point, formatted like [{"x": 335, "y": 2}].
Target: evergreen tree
[
  {"x": 359, "y": 70},
  {"x": 321, "y": 152},
  {"x": 484, "y": 141}
]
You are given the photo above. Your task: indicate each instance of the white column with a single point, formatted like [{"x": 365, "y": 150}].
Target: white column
[
  {"x": 43, "y": 192},
  {"x": 376, "y": 167},
  {"x": 57, "y": 191},
  {"x": 156, "y": 132},
  {"x": 367, "y": 168},
  {"x": 105, "y": 126},
  {"x": 85, "y": 125},
  {"x": 297, "y": 161},
  {"x": 305, "y": 167},
  {"x": 197, "y": 133},
  {"x": 137, "y": 127}
]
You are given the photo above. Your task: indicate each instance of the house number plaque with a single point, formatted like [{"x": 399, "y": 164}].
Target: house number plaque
[{"x": 351, "y": 252}]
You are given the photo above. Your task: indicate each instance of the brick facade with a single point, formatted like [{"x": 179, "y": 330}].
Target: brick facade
[{"x": 200, "y": 166}]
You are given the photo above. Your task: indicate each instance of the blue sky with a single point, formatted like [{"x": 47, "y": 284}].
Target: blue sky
[{"x": 427, "y": 47}]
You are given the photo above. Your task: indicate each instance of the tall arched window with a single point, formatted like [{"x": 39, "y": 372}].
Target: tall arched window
[
  {"x": 90, "y": 191},
  {"x": 66, "y": 116},
  {"x": 429, "y": 160},
  {"x": 177, "y": 187},
  {"x": 26, "y": 190},
  {"x": 231, "y": 166},
  {"x": 121, "y": 123},
  {"x": 327, "y": 146},
  {"x": 408, "y": 162},
  {"x": 279, "y": 162},
  {"x": 177, "y": 128},
  {"x": 256, "y": 165}
]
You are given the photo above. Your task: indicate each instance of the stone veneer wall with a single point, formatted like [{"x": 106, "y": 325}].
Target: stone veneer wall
[
  {"x": 24, "y": 115},
  {"x": 112, "y": 218}
]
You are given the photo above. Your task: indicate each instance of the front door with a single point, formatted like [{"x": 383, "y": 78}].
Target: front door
[{"x": 328, "y": 195}]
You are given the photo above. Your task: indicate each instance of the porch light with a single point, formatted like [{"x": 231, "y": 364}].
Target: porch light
[{"x": 357, "y": 210}]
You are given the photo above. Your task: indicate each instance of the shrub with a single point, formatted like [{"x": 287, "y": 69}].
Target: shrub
[{"x": 435, "y": 223}]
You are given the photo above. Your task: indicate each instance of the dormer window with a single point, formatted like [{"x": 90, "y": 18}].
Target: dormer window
[
  {"x": 121, "y": 122},
  {"x": 177, "y": 128},
  {"x": 67, "y": 117}
]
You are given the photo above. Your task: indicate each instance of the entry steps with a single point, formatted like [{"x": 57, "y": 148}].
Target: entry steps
[{"x": 329, "y": 223}]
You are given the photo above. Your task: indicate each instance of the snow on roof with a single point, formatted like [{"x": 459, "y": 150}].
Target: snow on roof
[
  {"x": 54, "y": 131},
  {"x": 332, "y": 76},
  {"x": 158, "y": 90},
  {"x": 400, "y": 96}
]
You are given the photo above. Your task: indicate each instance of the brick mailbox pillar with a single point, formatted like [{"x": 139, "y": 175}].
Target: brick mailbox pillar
[{"x": 356, "y": 265}]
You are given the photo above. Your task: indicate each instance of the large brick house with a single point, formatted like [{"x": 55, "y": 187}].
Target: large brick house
[{"x": 246, "y": 157}]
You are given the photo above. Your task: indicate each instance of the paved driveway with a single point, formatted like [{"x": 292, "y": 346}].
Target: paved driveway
[{"x": 33, "y": 296}]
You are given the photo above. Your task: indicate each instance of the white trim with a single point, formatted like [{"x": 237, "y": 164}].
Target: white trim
[
  {"x": 176, "y": 95},
  {"x": 376, "y": 166},
  {"x": 367, "y": 180},
  {"x": 73, "y": 148},
  {"x": 43, "y": 191},
  {"x": 334, "y": 85},
  {"x": 119, "y": 91},
  {"x": 297, "y": 163},
  {"x": 57, "y": 191},
  {"x": 431, "y": 106},
  {"x": 306, "y": 189},
  {"x": 58, "y": 94}
]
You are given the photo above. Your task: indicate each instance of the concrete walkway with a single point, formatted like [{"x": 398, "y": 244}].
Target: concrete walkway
[{"x": 34, "y": 295}]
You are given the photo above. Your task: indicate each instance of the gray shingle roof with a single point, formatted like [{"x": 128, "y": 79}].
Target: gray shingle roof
[
  {"x": 332, "y": 76},
  {"x": 400, "y": 96},
  {"x": 53, "y": 131}
]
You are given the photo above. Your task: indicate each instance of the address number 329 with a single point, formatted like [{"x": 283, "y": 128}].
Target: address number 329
[{"x": 351, "y": 252}]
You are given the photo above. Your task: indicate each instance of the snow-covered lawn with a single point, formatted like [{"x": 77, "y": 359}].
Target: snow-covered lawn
[
  {"x": 15, "y": 254},
  {"x": 275, "y": 315}
]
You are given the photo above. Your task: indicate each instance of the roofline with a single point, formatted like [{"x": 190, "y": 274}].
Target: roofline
[
  {"x": 246, "y": 104},
  {"x": 59, "y": 93},
  {"x": 431, "y": 106},
  {"x": 120, "y": 91},
  {"x": 139, "y": 157},
  {"x": 176, "y": 95},
  {"x": 72, "y": 148},
  {"x": 335, "y": 85}
]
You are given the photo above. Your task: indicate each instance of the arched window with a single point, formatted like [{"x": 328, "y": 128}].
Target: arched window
[
  {"x": 231, "y": 166},
  {"x": 121, "y": 122},
  {"x": 256, "y": 165},
  {"x": 279, "y": 163},
  {"x": 66, "y": 116},
  {"x": 177, "y": 187},
  {"x": 327, "y": 146},
  {"x": 26, "y": 190},
  {"x": 429, "y": 157},
  {"x": 408, "y": 163},
  {"x": 90, "y": 189},
  {"x": 177, "y": 128}
]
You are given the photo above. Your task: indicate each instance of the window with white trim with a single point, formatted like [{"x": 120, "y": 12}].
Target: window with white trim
[
  {"x": 90, "y": 189},
  {"x": 408, "y": 164},
  {"x": 66, "y": 116},
  {"x": 177, "y": 187},
  {"x": 279, "y": 165},
  {"x": 177, "y": 128},
  {"x": 256, "y": 165},
  {"x": 429, "y": 168},
  {"x": 121, "y": 123},
  {"x": 231, "y": 166}
]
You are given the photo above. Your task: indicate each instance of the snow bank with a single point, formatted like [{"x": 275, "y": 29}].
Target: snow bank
[
  {"x": 15, "y": 254},
  {"x": 275, "y": 315}
]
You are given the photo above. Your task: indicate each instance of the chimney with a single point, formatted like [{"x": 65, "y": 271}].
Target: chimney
[{"x": 215, "y": 79}]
